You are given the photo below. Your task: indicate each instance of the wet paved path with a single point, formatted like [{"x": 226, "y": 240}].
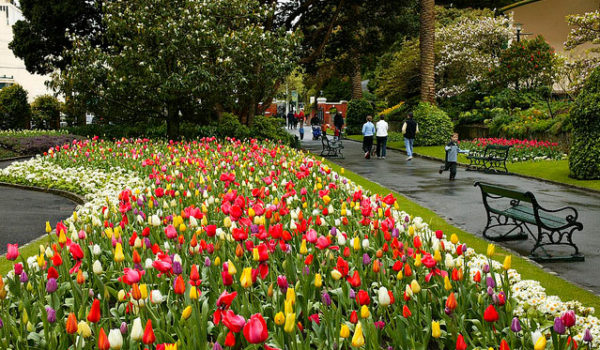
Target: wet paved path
[
  {"x": 460, "y": 203},
  {"x": 23, "y": 213}
]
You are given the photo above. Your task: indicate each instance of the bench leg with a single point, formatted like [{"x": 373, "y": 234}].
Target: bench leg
[
  {"x": 501, "y": 220},
  {"x": 556, "y": 237}
]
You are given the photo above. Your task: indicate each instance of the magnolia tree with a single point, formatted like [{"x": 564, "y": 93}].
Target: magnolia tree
[
  {"x": 586, "y": 29},
  {"x": 174, "y": 59},
  {"x": 470, "y": 49}
]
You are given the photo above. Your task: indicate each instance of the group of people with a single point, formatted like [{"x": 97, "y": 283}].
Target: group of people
[
  {"x": 294, "y": 119},
  {"x": 410, "y": 129}
]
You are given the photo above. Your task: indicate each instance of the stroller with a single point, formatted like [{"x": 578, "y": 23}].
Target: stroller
[{"x": 316, "y": 129}]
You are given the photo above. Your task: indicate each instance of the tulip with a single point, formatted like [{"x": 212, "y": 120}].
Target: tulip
[
  {"x": 156, "y": 297},
  {"x": 491, "y": 249},
  {"x": 559, "y": 327},
  {"x": 94, "y": 314},
  {"x": 358, "y": 339},
  {"x": 406, "y": 311},
  {"x": 504, "y": 345},
  {"x": 290, "y": 322},
  {"x": 148, "y": 337},
  {"x": 383, "y": 296},
  {"x": 507, "y": 263},
  {"x": 326, "y": 298},
  {"x": 282, "y": 283},
  {"x": 246, "y": 277},
  {"x": 353, "y": 317},
  {"x": 415, "y": 287},
  {"x": 568, "y": 318},
  {"x": 97, "y": 267},
  {"x": 50, "y": 314},
  {"x": 179, "y": 285},
  {"x": 51, "y": 285},
  {"x": 540, "y": 343},
  {"x": 115, "y": 338},
  {"x": 83, "y": 329},
  {"x": 447, "y": 284},
  {"x": 515, "y": 325},
  {"x": 186, "y": 313},
  {"x": 587, "y": 336},
  {"x": 344, "y": 331},
  {"x": 137, "y": 332},
  {"x": 318, "y": 280},
  {"x": 490, "y": 314},
  {"x": 364, "y": 311},
  {"x": 451, "y": 301},
  {"x": 119, "y": 257},
  {"x": 436, "y": 331},
  {"x": 454, "y": 238},
  {"x": 103, "y": 343},
  {"x": 460, "y": 343},
  {"x": 12, "y": 251},
  {"x": 279, "y": 318},
  {"x": 255, "y": 330}
]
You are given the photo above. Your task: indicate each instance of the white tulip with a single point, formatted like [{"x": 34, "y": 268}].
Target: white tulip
[
  {"x": 137, "y": 332},
  {"x": 96, "y": 250},
  {"x": 155, "y": 220},
  {"x": 97, "y": 267},
  {"x": 115, "y": 339},
  {"x": 383, "y": 296}
]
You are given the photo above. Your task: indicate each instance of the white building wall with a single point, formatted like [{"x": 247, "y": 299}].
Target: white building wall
[{"x": 11, "y": 65}]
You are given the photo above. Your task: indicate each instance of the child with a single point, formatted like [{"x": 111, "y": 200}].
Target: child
[
  {"x": 301, "y": 130},
  {"x": 452, "y": 152}
]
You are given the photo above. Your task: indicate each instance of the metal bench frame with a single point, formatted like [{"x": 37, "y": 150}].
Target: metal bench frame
[
  {"x": 332, "y": 148},
  {"x": 552, "y": 230},
  {"x": 491, "y": 159}
]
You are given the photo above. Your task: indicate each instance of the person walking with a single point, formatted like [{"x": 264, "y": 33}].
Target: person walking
[
  {"x": 452, "y": 151},
  {"x": 290, "y": 117},
  {"x": 410, "y": 129},
  {"x": 301, "y": 129},
  {"x": 368, "y": 130},
  {"x": 382, "y": 135},
  {"x": 338, "y": 122}
]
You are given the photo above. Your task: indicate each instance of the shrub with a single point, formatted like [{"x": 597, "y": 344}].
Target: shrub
[
  {"x": 435, "y": 127},
  {"x": 15, "y": 111},
  {"x": 584, "y": 159},
  {"x": 45, "y": 112},
  {"x": 358, "y": 110},
  {"x": 272, "y": 129},
  {"x": 229, "y": 125}
]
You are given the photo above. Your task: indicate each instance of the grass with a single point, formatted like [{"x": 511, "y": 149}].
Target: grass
[
  {"x": 31, "y": 249},
  {"x": 554, "y": 285},
  {"x": 6, "y": 153},
  {"x": 553, "y": 170}
]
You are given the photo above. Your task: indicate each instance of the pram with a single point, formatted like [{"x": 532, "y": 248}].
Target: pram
[{"x": 316, "y": 129}]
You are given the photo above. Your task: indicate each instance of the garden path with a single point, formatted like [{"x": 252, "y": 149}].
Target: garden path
[
  {"x": 23, "y": 213},
  {"x": 460, "y": 203}
]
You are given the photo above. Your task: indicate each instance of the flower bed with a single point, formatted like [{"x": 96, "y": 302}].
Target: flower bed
[
  {"x": 521, "y": 150},
  {"x": 238, "y": 244},
  {"x": 28, "y": 142}
]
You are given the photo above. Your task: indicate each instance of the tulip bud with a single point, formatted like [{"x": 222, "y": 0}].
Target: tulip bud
[
  {"x": 415, "y": 287},
  {"x": 115, "y": 338},
  {"x": 344, "y": 331},
  {"x": 187, "y": 312},
  {"x": 137, "y": 331},
  {"x": 436, "y": 331},
  {"x": 491, "y": 249},
  {"x": 279, "y": 318},
  {"x": 507, "y": 263}
]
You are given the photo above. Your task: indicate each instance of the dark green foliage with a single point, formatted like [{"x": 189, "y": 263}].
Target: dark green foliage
[
  {"x": 272, "y": 129},
  {"x": 337, "y": 89},
  {"x": 435, "y": 127},
  {"x": 358, "y": 110},
  {"x": 45, "y": 112},
  {"x": 584, "y": 159},
  {"x": 15, "y": 111}
]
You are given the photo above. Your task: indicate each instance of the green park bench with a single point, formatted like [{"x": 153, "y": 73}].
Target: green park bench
[
  {"x": 506, "y": 207},
  {"x": 491, "y": 159},
  {"x": 332, "y": 148}
]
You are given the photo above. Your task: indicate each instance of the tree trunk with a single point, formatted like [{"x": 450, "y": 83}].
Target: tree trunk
[
  {"x": 427, "y": 39},
  {"x": 356, "y": 79},
  {"x": 173, "y": 122}
]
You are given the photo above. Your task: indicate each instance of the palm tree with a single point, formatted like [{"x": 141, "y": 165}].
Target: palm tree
[{"x": 427, "y": 38}]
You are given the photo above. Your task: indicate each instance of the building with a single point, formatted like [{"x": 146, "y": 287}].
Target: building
[{"x": 12, "y": 69}]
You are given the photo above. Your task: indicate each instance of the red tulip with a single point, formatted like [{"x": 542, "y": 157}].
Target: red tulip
[
  {"x": 362, "y": 298},
  {"x": 230, "y": 339},
  {"x": 148, "y": 337},
  {"x": 490, "y": 314},
  {"x": 179, "y": 287},
  {"x": 504, "y": 345},
  {"x": 354, "y": 280},
  {"x": 94, "y": 314},
  {"x": 255, "y": 330},
  {"x": 103, "y": 343},
  {"x": 76, "y": 251},
  {"x": 406, "y": 312},
  {"x": 354, "y": 317},
  {"x": 451, "y": 301},
  {"x": 233, "y": 322},
  {"x": 460, "y": 343},
  {"x": 225, "y": 299}
]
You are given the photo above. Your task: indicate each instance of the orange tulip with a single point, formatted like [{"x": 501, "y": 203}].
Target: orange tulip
[
  {"x": 71, "y": 325},
  {"x": 179, "y": 285},
  {"x": 148, "y": 337},
  {"x": 94, "y": 314},
  {"x": 451, "y": 301},
  {"x": 103, "y": 343}
]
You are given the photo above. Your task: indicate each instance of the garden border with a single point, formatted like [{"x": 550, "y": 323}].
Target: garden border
[
  {"x": 17, "y": 158},
  {"x": 79, "y": 200},
  {"x": 464, "y": 165}
]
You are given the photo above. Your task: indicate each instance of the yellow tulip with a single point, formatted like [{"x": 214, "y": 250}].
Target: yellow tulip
[
  {"x": 48, "y": 227},
  {"x": 290, "y": 295},
  {"x": 255, "y": 255},
  {"x": 356, "y": 243},
  {"x": 231, "y": 268},
  {"x": 217, "y": 260},
  {"x": 411, "y": 230},
  {"x": 491, "y": 249},
  {"x": 344, "y": 331},
  {"x": 303, "y": 249},
  {"x": 418, "y": 260},
  {"x": 187, "y": 312},
  {"x": 62, "y": 238},
  {"x": 290, "y": 322},
  {"x": 447, "y": 284},
  {"x": 279, "y": 318},
  {"x": 454, "y": 238},
  {"x": 358, "y": 339},
  {"x": 288, "y": 307},
  {"x": 400, "y": 275},
  {"x": 436, "y": 332},
  {"x": 194, "y": 293},
  {"x": 144, "y": 290},
  {"x": 83, "y": 329},
  {"x": 119, "y": 257},
  {"x": 437, "y": 256},
  {"x": 335, "y": 274},
  {"x": 246, "y": 277},
  {"x": 364, "y": 311},
  {"x": 318, "y": 280},
  {"x": 507, "y": 262},
  {"x": 326, "y": 199},
  {"x": 540, "y": 344},
  {"x": 415, "y": 287}
]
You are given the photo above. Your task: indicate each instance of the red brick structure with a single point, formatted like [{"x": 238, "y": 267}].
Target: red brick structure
[{"x": 328, "y": 107}]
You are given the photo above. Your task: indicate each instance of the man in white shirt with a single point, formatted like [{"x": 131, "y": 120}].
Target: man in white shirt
[{"x": 382, "y": 135}]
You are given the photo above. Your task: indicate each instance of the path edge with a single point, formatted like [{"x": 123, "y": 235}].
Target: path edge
[{"x": 66, "y": 194}]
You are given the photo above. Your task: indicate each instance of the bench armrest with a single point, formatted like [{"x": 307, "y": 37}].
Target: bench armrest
[{"x": 571, "y": 216}]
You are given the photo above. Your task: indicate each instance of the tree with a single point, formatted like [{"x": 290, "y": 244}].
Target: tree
[
  {"x": 171, "y": 60},
  {"x": 44, "y": 34},
  {"x": 586, "y": 30},
  {"x": 427, "y": 41},
  {"x": 15, "y": 111},
  {"x": 45, "y": 112}
]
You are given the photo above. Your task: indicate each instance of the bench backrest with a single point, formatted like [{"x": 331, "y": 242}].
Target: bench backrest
[
  {"x": 487, "y": 188},
  {"x": 497, "y": 151}
]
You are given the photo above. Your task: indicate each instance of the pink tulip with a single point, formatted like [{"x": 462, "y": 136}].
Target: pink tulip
[
  {"x": 12, "y": 251},
  {"x": 255, "y": 330}
]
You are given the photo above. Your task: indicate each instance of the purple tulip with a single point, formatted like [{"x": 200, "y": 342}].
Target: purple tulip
[
  {"x": 448, "y": 311},
  {"x": 51, "y": 285},
  {"x": 51, "y": 314},
  {"x": 559, "y": 327},
  {"x": 326, "y": 298},
  {"x": 490, "y": 282},
  {"x": 404, "y": 258},
  {"x": 254, "y": 228},
  {"x": 147, "y": 243},
  {"x": 351, "y": 294},
  {"x": 333, "y": 231},
  {"x": 490, "y": 291},
  {"x": 495, "y": 299},
  {"x": 135, "y": 211},
  {"x": 207, "y": 262},
  {"x": 395, "y": 232},
  {"x": 515, "y": 325},
  {"x": 568, "y": 318},
  {"x": 217, "y": 346},
  {"x": 366, "y": 259},
  {"x": 486, "y": 268},
  {"x": 306, "y": 270},
  {"x": 406, "y": 218},
  {"x": 587, "y": 336},
  {"x": 24, "y": 278},
  {"x": 123, "y": 328},
  {"x": 140, "y": 201},
  {"x": 177, "y": 269}
]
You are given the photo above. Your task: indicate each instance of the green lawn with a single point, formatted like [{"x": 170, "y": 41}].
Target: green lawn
[
  {"x": 554, "y": 285},
  {"x": 553, "y": 170},
  {"x": 6, "y": 153}
]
